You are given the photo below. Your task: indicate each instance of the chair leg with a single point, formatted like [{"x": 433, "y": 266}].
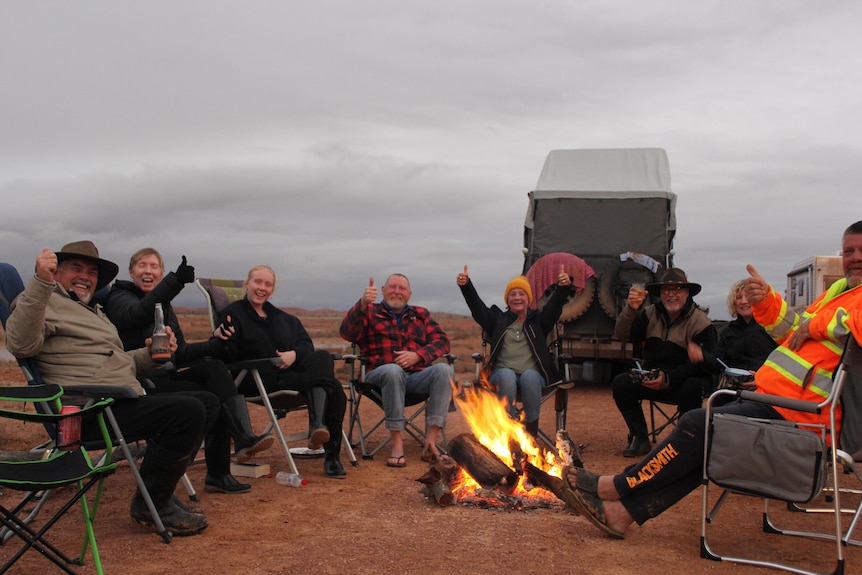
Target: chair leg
[{"x": 142, "y": 488}]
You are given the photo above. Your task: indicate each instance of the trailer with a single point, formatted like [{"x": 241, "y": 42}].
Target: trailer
[
  {"x": 810, "y": 278},
  {"x": 614, "y": 210}
]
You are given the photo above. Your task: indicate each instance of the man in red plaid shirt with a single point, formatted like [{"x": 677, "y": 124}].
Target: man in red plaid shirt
[{"x": 401, "y": 341}]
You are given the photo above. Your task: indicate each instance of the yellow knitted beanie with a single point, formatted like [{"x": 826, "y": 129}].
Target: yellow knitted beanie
[{"x": 519, "y": 282}]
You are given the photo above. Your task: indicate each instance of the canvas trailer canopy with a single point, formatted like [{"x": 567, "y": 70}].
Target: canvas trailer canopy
[{"x": 597, "y": 204}]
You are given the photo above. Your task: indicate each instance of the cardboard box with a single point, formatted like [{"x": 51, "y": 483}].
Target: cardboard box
[{"x": 249, "y": 469}]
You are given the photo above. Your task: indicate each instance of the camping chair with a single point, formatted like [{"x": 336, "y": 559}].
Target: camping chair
[
  {"x": 359, "y": 388},
  {"x": 10, "y": 286},
  {"x": 819, "y": 478},
  {"x": 219, "y": 293},
  {"x": 559, "y": 390},
  {"x": 59, "y": 468},
  {"x": 662, "y": 415}
]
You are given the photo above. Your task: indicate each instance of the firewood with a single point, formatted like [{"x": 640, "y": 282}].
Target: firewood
[
  {"x": 569, "y": 451},
  {"x": 481, "y": 463},
  {"x": 553, "y": 484},
  {"x": 440, "y": 491}
]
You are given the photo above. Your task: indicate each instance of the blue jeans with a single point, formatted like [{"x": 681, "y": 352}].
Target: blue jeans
[
  {"x": 394, "y": 383},
  {"x": 530, "y": 383}
]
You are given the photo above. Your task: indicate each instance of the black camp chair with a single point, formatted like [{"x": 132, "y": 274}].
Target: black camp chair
[
  {"x": 558, "y": 390},
  {"x": 59, "y": 467}
]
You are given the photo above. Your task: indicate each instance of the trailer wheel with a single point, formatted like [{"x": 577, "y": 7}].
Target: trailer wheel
[{"x": 614, "y": 283}]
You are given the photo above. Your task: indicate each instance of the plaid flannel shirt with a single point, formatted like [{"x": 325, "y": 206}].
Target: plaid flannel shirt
[{"x": 379, "y": 334}]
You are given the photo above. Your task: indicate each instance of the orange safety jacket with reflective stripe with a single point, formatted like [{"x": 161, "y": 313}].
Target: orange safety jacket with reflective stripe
[{"x": 806, "y": 374}]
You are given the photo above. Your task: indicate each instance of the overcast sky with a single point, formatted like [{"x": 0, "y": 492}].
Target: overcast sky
[{"x": 342, "y": 140}]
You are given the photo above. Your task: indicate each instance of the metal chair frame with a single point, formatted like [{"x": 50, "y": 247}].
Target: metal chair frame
[{"x": 837, "y": 460}]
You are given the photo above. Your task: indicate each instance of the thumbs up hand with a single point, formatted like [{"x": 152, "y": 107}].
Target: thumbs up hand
[
  {"x": 563, "y": 277},
  {"x": 756, "y": 288},
  {"x": 369, "y": 296},
  {"x": 463, "y": 278}
]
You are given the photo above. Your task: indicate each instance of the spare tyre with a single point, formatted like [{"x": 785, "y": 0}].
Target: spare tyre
[{"x": 614, "y": 283}]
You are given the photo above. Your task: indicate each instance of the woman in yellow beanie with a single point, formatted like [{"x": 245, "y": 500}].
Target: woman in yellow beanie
[{"x": 519, "y": 361}]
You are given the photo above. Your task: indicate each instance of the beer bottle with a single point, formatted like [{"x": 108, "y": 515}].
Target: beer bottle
[{"x": 160, "y": 350}]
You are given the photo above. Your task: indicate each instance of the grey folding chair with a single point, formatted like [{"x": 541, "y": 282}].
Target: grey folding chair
[{"x": 846, "y": 395}]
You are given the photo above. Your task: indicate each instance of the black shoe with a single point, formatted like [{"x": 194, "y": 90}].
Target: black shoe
[
  {"x": 244, "y": 452},
  {"x": 639, "y": 447},
  {"x": 194, "y": 509},
  {"x": 175, "y": 520},
  {"x": 225, "y": 484},
  {"x": 334, "y": 469}
]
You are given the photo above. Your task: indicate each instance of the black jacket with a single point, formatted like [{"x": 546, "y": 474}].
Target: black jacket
[
  {"x": 258, "y": 337},
  {"x": 537, "y": 326},
  {"x": 742, "y": 345},
  {"x": 133, "y": 312}
]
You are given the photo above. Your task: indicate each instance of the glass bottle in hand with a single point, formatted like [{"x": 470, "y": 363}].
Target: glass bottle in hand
[{"x": 160, "y": 350}]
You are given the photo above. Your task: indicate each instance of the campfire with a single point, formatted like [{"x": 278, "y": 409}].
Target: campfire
[{"x": 498, "y": 464}]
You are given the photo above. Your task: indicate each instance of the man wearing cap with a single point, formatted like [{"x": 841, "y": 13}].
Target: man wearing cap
[
  {"x": 56, "y": 321},
  {"x": 519, "y": 359},
  {"x": 664, "y": 330},
  {"x": 401, "y": 342}
]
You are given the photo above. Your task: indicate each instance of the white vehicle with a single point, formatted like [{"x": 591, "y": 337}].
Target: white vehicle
[{"x": 810, "y": 278}]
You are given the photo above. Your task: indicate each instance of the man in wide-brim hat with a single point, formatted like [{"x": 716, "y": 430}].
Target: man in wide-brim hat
[
  {"x": 673, "y": 277},
  {"x": 86, "y": 251},
  {"x": 53, "y": 321},
  {"x": 664, "y": 329}
]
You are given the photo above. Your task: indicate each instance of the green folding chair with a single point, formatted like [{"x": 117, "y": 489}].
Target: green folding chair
[{"x": 59, "y": 468}]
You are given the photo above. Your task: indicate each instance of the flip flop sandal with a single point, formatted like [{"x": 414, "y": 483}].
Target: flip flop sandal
[
  {"x": 593, "y": 509},
  {"x": 398, "y": 462}
]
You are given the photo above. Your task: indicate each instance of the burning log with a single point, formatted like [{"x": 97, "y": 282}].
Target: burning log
[
  {"x": 481, "y": 463},
  {"x": 569, "y": 451},
  {"x": 553, "y": 484}
]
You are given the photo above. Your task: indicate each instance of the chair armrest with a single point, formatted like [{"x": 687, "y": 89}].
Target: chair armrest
[
  {"x": 794, "y": 404},
  {"x": 100, "y": 390},
  {"x": 31, "y": 393},
  {"x": 255, "y": 363}
]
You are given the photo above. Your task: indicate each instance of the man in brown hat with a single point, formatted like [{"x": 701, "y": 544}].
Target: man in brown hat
[
  {"x": 56, "y": 321},
  {"x": 664, "y": 330}
]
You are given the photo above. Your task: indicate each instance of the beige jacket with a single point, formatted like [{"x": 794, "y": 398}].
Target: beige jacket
[{"x": 72, "y": 342}]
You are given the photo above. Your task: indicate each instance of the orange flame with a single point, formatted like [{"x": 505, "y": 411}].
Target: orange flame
[{"x": 488, "y": 419}]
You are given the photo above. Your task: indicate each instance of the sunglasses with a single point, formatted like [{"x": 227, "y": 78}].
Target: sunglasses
[{"x": 672, "y": 289}]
